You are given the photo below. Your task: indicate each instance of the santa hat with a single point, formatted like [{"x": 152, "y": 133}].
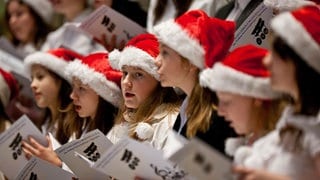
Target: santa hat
[
  {"x": 241, "y": 72},
  {"x": 54, "y": 60},
  {"x": 42, "y": 7},
  {"x": 197, "y": 37},
  {"x": 141, "y": 51},
  {"x": 8, "y": 87},
  {"x": 287, "y": 5},
  {"x": 300, "y": 30},
  {"x": 95, "y": 71}
]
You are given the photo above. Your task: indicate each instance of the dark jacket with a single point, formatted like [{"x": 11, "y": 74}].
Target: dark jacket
[
  {"x": 131, "y": 10},
  {"x": 216, "y": 135}
]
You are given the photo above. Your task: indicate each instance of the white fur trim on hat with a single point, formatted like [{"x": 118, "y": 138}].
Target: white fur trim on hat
[
  {"x": 108, "y": 90},
  {"x": 47, "y": 60},
  {"x": 4, "y": 92},
  {"x": 298, "y": 38},
  {"x": 223, "y": 78},
  {"x": 287, "y": 5},
  {"x": 144, "y": 131},
  {"x": 132, "y": 56},
  {"x": 173, "y": 35}
]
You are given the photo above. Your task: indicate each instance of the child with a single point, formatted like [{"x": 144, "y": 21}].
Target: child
[
  {"x": 51, "y": 90},
  {"x": 51, "y": 87},
  {"x": 242, "y": 84},
  {"x": 96, "y": 94},
  {"x": 292, "y": 149},
  {"x": 29, "y": 23},
  {"x": 195, "y": 41},
  {"x": 148, "y": 111},
  {"x": 8, "y": 90}
]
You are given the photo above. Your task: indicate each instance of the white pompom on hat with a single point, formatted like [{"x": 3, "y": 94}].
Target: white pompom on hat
[
  {"x": 95, "y": 71},
  {"x": 301, "y": 31},
  {"x": 241, "y": 72},
  {"x": 141, "y": 51}
]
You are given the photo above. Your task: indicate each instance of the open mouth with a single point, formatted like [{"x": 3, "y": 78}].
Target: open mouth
[
  {"x": 128, "y": 95},
  {"x": 77, "y": 108}
]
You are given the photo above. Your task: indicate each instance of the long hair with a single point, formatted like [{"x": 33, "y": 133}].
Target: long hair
[
  {"x": 42, "y": 28},
  {"x": 181, "y": 7},
  {"x": 202, "y": 103},
  {"x": 64, "y": 101},
  {"x": 161, "y": 96},
  {"x": 308, "y": 81},
  {"x": 3, "y": 118},
  {"x": 307, "y": 78},
  {"x": 104, "y": 120}
]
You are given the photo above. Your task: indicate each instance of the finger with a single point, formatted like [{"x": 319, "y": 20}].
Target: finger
[
  {"x": 27, "y": 153},
  {"x": 49, "y": 141},
  {"x": 35, "y": 143},
  {"x": 29, "y": 148}
]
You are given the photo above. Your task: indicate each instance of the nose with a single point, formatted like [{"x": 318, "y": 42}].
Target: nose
[
  {"x": 73, "y": 95},
  {"x": 12, "y": 20},
  {"x": 33, "y": 84},
  {"x": 267, "y": 60},
  {"x": 126, "y": 82},
  {"x": 221, "y": 111},
  {"x": 158, "y": 61}
]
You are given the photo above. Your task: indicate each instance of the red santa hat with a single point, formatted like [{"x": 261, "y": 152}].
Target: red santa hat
[
  {"x": 141, "y": 51},
  {"x": 54, "y": 60},
  {"x": 287, "y": 5},
  {"x": 196, "y": 36},
  {"x": 241, "y": 72},
  {"x": 8, "y": 87},
  {"x": 95, "y": 71},
  {"x": 300, "y": 30},
  {"x": 42, "y": 7}
]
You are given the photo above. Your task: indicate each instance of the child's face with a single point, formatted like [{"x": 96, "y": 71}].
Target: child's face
[
  {"x": 283, "y": 74},
  {"x": 45, "y": 87},
  {"x": 137, "y": 85},
  {"x": 172, "y": 68},
  {"x": 84, "y": 99},
  {"x": 21, "y": 22},
  {"x": 237, "y": 110}
]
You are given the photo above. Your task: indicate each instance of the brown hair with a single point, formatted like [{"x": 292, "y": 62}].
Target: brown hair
[{"x": 42, "y": 28}]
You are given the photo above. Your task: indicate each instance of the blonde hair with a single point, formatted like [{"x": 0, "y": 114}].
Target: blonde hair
[
  {"x": 164, "y": 97},
  {"x": 201, "y": 105}
]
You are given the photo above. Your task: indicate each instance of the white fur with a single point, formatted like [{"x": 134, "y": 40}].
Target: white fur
[
  {"x": 232, "y": 144},
  {"x": 223, "y": 78},
  {"x": 47, "y": 60},
  {"x": 298, "y": 38},
  {"x": 174, "y": 36},
  {"x": 144, "y": 131},
  {"x": 287, "y": 5},
  {"x": 108, "y": 90}
]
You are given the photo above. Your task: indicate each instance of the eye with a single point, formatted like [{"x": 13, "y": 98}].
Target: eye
[
  {"x": 163, "y": 52},
  {"x": 138, "y": 75}
]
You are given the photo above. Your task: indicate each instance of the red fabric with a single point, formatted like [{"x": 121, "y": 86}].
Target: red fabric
[
  {"x": 65, "y": 54},
  {"x": 249, "y": 60},
  {"x": 99, "y": 63},
  {"x": 214, "y": 35},
  {"x": 146, "y": 42},
  {"x": 11, "y": 82},
  {"x": 309, "y": 17}
]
